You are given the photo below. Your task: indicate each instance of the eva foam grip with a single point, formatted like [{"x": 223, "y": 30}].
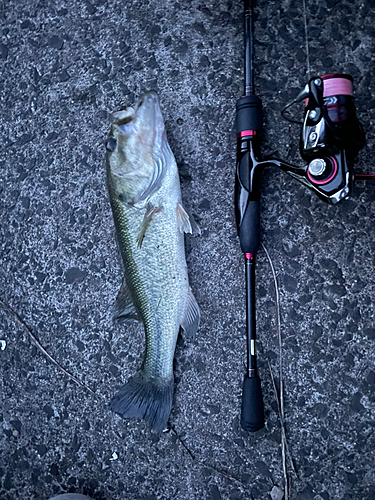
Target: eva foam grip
[
  {"x": 252, "y": 411},
  {"x": 249, "y": 114},
  {"x": 249, "y": 230}
]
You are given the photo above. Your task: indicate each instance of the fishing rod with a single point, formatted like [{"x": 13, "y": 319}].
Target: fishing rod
[
  {"x": 248, "y": 124},
  {"x": 331, "y": 138}
]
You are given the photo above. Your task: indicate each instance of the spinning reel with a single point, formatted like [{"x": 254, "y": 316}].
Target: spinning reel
[{"x": 330, "y": 139}]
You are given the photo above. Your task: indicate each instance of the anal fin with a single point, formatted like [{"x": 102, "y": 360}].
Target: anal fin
[
  {"x": 124, "y": 304},
  {"x": 190, "y": 323}
]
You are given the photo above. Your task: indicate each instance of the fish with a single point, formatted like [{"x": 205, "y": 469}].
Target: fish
[{"x": 150, "y": 222}]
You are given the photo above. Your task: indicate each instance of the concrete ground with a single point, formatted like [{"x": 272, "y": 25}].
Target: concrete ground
[{"x": 65, "y": 66}]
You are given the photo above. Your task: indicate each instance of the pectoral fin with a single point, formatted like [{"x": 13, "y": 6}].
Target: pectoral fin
[
  {"x": 124, "y": 304},
  {"x": 150, "y": 212},
  {"x": 190, "y": 323}
]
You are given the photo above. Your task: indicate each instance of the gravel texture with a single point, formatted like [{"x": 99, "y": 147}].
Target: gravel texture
[{"x": 65, "y": 66}]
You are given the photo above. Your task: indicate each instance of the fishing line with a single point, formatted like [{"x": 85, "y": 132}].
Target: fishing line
[{"x": 306, "y": 38}]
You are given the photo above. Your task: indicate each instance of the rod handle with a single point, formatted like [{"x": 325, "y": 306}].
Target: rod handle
[
  {"x": 252, "y": 411},
  {"x": 249, "y": 114},
  {"x": 249, "y": 228}
]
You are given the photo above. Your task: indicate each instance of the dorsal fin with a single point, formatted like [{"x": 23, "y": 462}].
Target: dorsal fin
[{"x": 186, "y": 222}]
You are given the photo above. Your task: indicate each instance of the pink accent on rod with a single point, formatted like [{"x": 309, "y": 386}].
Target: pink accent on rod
[
  {"x": 244, "y": 133},
  {"x": 337, "y": 86},
  {"x": 249, "y": 256},
  {"x": 364, "y": 177},
  {"x": 326, "y": 181}
]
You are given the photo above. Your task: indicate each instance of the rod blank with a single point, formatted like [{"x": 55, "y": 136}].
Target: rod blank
[{"x": 249, "y": 74}]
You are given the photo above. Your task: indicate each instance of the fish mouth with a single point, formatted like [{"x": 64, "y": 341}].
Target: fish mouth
[
  {"x": 148, "y": 112},
  {"x": 145, "y": 113},
  {"x": 142, "y": 123}
]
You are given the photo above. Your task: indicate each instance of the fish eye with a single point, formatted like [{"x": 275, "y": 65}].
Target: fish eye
[{"x": 111, "y": 145}]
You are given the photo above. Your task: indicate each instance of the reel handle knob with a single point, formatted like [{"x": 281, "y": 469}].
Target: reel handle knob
[{"x": 252, "y": 411}]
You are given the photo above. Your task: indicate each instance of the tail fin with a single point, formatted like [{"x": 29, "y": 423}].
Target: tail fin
[{"x": 147, "y": 398}]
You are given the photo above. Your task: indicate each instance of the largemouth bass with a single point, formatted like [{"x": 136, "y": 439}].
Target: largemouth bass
[{"x": 150, "y": 221}]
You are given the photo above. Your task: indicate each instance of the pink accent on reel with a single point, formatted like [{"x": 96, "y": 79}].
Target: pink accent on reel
[
  {"x": 249, "y": 256},
  {"x": 336, "y": 86},
  {"x": 329, "y": 76},
  {"x": 245, "y": 133},
  {"x": 326, "y": 181}
]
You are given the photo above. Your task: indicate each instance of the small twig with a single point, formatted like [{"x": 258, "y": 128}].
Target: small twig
[
  {"x": 183, "y": 443},
  {"x": 280, "y": 398},
  {"x": 280, "y": 402},
  {"x": 282, "y": 422},
  {"x": 205, "y": 464},
  {"x": 37, "y": 344},
  {"x": 278, "y": 328},
  {"x": 225, "y": 474},
  {"x": 283, "y": 436}
]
